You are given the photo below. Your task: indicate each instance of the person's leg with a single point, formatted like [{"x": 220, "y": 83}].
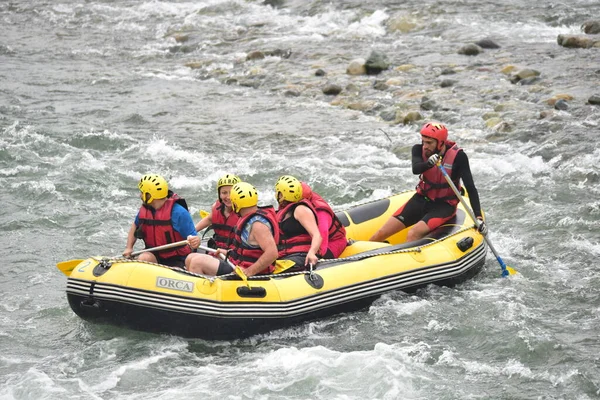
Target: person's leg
[
  {"x": 417, "y": 231},
  {"x": 390, "y": 227},
  {"x": 437, "y": 214},
  {"x": 202, "y": 264},
  {"x": 148, "y": 257},
  {"x": 405, "y": 216}
]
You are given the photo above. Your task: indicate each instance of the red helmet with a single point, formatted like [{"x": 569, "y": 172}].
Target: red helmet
[
  {"x": 435, "y": 131},
  {"x": 306, "y": 190}
]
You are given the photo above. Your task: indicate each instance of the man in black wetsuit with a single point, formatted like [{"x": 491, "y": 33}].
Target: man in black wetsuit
[{"x": 435, "y": 201}]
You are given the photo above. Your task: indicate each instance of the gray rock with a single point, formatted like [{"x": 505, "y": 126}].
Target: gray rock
[
  {"x": 594, "y": 100},
  {"x": 428, "y": 105},
  {"x": 380, "y": 85},
  {"x": 376, "y": 63},
  {"x": 448, "y": 71},
  {"x": 591, "y": 27},
  {"x": 561, "y": 105},
  {"x": 291, "y": 93},
  {"x": 487, "y": 44},
  {"x": 255, "y": 55},
  {"x": 447, "y": 83},
  {"x": 320, "y": 72},
  {"x": 578, "y": 41},
  {"x": 332, "y": 89},
  {"x": 470, "y": 50},
  {"x": 524, "y": 74},
  {"x": 389, "y": 114}
]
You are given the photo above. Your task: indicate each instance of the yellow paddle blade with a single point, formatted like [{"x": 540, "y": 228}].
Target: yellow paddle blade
[
  {"x": 66, "y": 267},
  {"x": 283, "y": 265},
  {"x": 511, "y": 271},
  {"x": 203, "y": 213},
  {"x": 241, "y": 273}
]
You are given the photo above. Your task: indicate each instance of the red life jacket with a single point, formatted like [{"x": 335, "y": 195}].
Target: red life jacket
[
  {"x": 244, "y": 255},
  {"x": 223, "y": 227},
  {"x": 157, "y": 229},
  {"x": 299, "y": 242},
  {"x": 336, "y": 229},
  {"x": 432, "y": 183}
]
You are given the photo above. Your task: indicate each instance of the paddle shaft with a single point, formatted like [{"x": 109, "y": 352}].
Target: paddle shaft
[
  {"x": 472, "y": 215},
  {"x": 159, "y": 248},
  {"x": 67, "y": 266},
  {"x": 238, "y": 270}
]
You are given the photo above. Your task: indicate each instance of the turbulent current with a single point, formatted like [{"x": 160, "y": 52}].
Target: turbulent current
[{"x": 95, "y": 94}]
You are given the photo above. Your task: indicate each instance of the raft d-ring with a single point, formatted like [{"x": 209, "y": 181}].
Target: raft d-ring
[
  {"x": 418, "y": 255},
  {"x": 206, "y": 286}
]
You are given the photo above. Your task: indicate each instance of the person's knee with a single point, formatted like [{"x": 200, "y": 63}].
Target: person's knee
[{"x": 147, "y": 256}]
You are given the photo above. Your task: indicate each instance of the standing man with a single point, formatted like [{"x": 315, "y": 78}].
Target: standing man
[
  {"x": 255, "y": 238},
  {"x": 163, "y": 218},
  {"x": 435, "y": 202}
]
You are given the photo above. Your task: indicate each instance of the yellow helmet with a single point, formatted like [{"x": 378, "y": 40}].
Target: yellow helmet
[
  {"x": 290, "y": 188},
  {"x": 243, "y": 195},
  {"x": 153, "y": 187},
  {"x": 227, "y": 180}
]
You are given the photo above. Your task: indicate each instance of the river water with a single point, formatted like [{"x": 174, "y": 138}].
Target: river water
[{"x": 95, "y": 94}]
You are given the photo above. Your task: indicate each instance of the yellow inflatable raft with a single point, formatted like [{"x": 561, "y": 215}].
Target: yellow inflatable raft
[{"x": 156, "y": 298}]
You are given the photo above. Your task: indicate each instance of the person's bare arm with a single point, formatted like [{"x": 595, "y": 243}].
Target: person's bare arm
[
  {"x": 262, "y": 235},
  {"x": 305, "y": 216},
  {"x": 130, "y": 241},
  {"x": 204, "y": 222}
]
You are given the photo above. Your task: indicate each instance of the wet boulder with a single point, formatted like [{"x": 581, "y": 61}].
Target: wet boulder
[
  {"x": 594, "y": 100},
  {"x": 332, "y": 89},
  {"x": 591, "y": 27},
  {"x": 561, "y": 104},
  {"x": 487, "y": 44},
  {"x": 356, "y": 67},
  {"x": 525, "y": 75},
  {"x": 376, "y": 63},
  {"x": 447, "y": 83},
  {"x": 470, "y": 50},
  {"x": 578, "y": 41}
]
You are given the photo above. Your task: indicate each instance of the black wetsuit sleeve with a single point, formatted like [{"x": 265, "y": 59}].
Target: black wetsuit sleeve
[
  {"x": 418, "y": 165},
  {"x": 461, "y": 169}
]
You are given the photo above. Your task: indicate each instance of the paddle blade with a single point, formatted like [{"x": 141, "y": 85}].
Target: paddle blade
[
  {"x": 283, "y": 265},
  {"x": 66, "y": 267},
  {"x": 511, "y": 271},
  {"x": 241, "y": 273},
  {"x": 203, "y": 214}
]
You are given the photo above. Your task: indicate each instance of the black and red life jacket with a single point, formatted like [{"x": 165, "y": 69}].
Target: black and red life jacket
[
  {"x": 157, "y": 229},
  {"x": 223, "y": 227},
  {"x": 293, "y": 237},
  {"x": 432, "y": 183},
  {"x": 244, "y": 255}
]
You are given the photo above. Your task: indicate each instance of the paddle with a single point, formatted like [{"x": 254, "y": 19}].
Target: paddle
[
  {"x": 506, "y": 270},
  {"x": 280, "y": 265},
  {"x": 238, "y": 270},
  {"x": 203, "y": 213},
  {"x": 66, "y": 267}
]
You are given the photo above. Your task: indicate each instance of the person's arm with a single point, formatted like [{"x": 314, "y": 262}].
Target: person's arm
[
  {"x": 461, "y": 169},
  {"x": 418, "y": 165},
  {"x": 204, "y": 222},
  {"x": 324, "y": 221},
  {"x": 262, "y": 235},
  {"x": 131, "y": 239},
  {"x": 184, "y": 225},
  {"x": 307, "y": 219}
]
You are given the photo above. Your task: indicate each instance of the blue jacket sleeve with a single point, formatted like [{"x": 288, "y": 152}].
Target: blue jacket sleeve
[{"x": 182, "y": 221}]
